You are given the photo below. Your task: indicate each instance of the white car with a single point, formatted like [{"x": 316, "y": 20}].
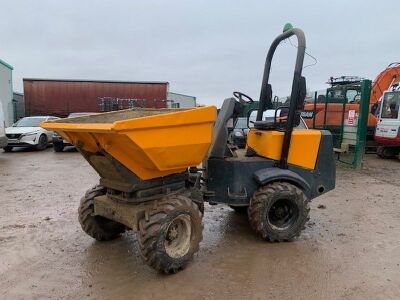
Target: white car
[
  {"x": 27, "y": 133},
  {"x": 58, "y": 142}
]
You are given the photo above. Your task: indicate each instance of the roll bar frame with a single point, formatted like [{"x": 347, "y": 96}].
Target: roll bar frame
[{"x": 298, "y": 88}]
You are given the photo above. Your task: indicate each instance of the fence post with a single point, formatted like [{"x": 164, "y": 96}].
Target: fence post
[
  {"x": 315, "y": 108},
  {"x": 362, "y": 123}
]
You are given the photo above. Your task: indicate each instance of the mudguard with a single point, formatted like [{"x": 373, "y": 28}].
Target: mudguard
[{"x": 268, "y": 175}]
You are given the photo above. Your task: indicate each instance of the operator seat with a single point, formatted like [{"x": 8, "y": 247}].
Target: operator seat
[
  {"x": 269, "y": 123},
  {"x": 266, "y": 124}
]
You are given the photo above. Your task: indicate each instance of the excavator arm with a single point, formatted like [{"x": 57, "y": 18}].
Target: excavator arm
[{"x": 384, "y": 81}]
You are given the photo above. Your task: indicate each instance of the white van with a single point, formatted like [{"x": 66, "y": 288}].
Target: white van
[{"x": 3, "y": 138}]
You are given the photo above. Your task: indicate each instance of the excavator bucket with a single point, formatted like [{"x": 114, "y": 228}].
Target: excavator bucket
[{"x": 151, "y": 143}]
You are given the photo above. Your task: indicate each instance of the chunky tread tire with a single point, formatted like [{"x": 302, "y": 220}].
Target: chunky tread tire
[
  {"x": 58, "y": 147},
  {"x": 97, "y": 227},
  {"x": 201, "y": 207},
  {"x": 262, "y": 201},
  {"x": 153, "y": 230},
  {"x": 7, "y": 149}
]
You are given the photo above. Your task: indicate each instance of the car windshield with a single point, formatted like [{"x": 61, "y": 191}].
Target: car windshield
[
  {"x": 29, "y": 122},
  {"x": 241, "y": 123},
  {"x": 390, "y": 105}
]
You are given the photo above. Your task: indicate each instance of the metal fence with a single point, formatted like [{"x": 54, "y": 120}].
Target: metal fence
[
  {"x": 111, "y": 103},
  {"x": 345, "y": 118}
]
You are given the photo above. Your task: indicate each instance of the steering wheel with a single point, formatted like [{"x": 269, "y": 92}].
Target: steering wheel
[
  {"x": 356, "y": 99},
  {"x": 240, "y": 97}
]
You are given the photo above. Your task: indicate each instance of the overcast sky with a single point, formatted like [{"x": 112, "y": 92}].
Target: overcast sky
[{"x": 206, "y": 49}]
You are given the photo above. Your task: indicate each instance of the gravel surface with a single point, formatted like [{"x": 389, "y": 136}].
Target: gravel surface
[{"x": 349, "y": 250}]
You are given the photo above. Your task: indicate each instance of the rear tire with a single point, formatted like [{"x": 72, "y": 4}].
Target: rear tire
[
  {"x": 170, "y": 236},
  {"x": 99, "y": 228},
  {"x": 200, "y": 205},
  {"x": 58, "y": 147},
  {"x": 7, "y": 149},
  {"x": 279, "y": 211}
]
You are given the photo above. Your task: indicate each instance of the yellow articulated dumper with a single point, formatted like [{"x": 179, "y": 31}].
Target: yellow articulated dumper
[{"x": 151, "y": 180}]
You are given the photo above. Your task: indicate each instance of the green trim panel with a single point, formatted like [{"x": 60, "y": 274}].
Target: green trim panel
[{"x": 6, "y": 64}]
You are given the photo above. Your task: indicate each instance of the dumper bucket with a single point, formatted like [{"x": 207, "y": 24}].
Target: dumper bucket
[{"x": 151, "y": 143}]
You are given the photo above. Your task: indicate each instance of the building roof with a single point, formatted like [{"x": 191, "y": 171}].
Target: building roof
[
  {"x": 2, "y": 62},
  {"x": 92, "y": 80},
  {"x": 182, "y": 95}
]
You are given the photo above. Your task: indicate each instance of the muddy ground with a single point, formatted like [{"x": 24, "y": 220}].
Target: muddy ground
[{"x": 349, "y": 250}]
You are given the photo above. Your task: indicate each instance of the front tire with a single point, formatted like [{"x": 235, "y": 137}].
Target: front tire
[
  {"x": 387, "y": 152},
  {"x": 42, "y": 143},
  {"x": 279, "y": 211},
  {"x": 171, "y": 234},
  {"x": 7, "y": 149},
  {"x": 99, "y": 228}
]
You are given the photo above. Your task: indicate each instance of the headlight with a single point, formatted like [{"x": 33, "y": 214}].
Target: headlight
[{"x": 30, "y": 133}]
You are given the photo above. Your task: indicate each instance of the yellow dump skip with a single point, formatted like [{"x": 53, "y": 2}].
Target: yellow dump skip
[
  {"x": 149, "y": 142},
  {"x": 304, "y": 145}
]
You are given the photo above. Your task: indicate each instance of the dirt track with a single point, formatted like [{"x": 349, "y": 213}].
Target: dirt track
[{"x": 350, "y": 249}]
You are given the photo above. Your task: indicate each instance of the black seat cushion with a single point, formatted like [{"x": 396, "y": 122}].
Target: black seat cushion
[{"x": 266, "y": 124}]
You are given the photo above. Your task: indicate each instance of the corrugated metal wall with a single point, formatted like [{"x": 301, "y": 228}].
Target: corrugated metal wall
[
  {"x": 19, "y": 106},
  {"x": 61, "y": 97},
  {"x": 6, "y": 92}
]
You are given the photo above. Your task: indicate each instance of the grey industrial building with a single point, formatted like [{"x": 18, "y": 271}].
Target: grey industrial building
[
  {"x": 176, "y": 100},
  {"x": 6, "y": 92}
]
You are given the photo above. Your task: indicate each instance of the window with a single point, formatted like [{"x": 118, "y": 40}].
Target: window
[
  {"x": 352, "y": 96},
  {"x": 336, "y": 95},
  {"x": 390, "y": 105},
  {"x": 175, "y": 105}
]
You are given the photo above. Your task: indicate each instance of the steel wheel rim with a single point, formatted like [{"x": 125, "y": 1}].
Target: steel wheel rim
[
  {"x": 178, "y": 236},
  {"x": 282, "y": 214}
]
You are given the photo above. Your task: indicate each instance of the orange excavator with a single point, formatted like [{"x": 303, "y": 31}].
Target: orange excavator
[
  {"x": 329, "y": 111},
  {"x": 387, "y": 133}
]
